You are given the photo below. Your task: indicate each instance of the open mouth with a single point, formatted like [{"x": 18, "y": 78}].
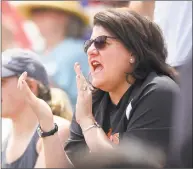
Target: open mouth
[{"x": 96, "y": 66}]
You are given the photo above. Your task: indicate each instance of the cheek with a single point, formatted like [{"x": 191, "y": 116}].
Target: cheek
[
  {"x": 10, "y": 97},
  {"x": 116, "y": 65}
]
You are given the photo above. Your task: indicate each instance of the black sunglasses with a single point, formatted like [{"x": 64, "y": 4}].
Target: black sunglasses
[{"x": 99, "y": 42}]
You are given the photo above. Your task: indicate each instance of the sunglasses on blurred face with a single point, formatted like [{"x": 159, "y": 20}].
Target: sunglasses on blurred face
[{"x": 99, "y": 42}]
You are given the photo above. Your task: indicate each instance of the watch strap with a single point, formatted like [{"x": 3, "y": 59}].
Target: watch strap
[{"x": 42, "y": 133}]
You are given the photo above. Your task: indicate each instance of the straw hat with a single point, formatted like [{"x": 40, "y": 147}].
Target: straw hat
[{"x": 71, "y": 7}]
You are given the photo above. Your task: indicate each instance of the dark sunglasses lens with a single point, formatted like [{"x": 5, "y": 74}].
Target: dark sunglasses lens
[
  {"x": 100, "y": 42},
  {"x": 87, "y": 44}
]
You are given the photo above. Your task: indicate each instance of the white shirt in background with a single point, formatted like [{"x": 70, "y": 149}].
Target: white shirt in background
[{"x": 175, "y": 20}]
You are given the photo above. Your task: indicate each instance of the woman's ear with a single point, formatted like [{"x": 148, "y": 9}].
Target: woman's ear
[{"x": 33, "y": 85}]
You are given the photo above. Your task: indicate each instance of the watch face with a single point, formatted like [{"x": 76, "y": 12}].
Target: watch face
[{"x": 39, "y": 132}]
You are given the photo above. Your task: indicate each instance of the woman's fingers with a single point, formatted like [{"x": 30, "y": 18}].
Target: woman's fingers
[
  {"x": 23, "y": 86},
  {"x": 80, "y": 79},
  {"x": 77, "y": 68},
  {"x": 78, "y": 83},
  {"x": 21, "y": 78}
]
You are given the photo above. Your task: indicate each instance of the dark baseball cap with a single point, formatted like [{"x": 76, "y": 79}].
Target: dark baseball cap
[{"x": 16, "y": 61}]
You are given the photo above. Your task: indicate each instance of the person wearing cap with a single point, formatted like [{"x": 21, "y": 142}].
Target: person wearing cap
[
  {"x": 62, "y": 25},
  {"x": 23, "y": 148}
]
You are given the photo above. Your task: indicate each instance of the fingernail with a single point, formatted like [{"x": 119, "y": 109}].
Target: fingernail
[{"x": 76, "y": 63}]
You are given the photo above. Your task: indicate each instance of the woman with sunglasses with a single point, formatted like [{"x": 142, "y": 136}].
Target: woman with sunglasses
[{"x": 130, "y": 97}]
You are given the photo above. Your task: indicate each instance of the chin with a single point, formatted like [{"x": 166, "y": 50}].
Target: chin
[{"x": 99, "y": 84}]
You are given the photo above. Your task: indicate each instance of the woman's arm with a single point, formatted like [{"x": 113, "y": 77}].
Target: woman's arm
[
  {"x": 95, "y": 137},
  {"x": 54, "y": 154},
  {"x": 145, "y": 8}
]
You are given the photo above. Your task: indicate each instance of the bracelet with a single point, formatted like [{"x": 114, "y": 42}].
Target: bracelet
[{"x": 90, "y": 127}]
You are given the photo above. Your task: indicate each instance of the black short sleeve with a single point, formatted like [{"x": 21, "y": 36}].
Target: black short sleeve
[{"x": 150, "y": 118}]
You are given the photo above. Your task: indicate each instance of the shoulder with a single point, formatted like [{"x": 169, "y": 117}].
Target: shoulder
[
  {"x": 156, "y": 91},
  {"x": 160, "y": 83}
]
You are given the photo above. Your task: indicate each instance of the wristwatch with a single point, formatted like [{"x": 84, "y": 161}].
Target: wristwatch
[{"x": 41, "y": 133}]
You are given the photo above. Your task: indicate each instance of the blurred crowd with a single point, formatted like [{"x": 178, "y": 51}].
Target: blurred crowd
[{"x": 56, "y": 32}]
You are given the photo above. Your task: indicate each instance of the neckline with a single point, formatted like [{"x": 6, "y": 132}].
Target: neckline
[
  {"x": 122, "y": 98},
  {"x": 20, "y": 157}
]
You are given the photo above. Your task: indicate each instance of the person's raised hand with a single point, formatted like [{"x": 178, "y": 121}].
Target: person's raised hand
[
  {"x": 41, "y": 109},
  {"x": 84, "y": 98}
]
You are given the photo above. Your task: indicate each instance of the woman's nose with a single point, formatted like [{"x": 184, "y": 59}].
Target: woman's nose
[{"x": 92, "y": 51}]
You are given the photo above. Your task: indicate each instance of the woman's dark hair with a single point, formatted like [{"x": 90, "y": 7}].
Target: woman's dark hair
[{"x": 142, "y": 37}]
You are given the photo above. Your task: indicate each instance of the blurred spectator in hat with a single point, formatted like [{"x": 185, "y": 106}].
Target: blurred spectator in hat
[
  {"x": 63, "y": 25},
  {"x": 23, "y": 148}
]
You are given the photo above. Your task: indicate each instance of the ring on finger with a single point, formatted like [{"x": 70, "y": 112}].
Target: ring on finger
[{"x": 84, "y": 88}]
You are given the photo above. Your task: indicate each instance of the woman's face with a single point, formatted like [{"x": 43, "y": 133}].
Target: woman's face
[{"x": 109, "y": 64}]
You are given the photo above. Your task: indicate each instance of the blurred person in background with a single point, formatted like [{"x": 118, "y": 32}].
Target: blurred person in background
[
  {"x": 116, "y": 4},
  {"x": 126, "y": 55},
  {"x": 62, "y": 25},
  {"x": 8, "y": 39},
  {"x": 60, "y": 104},
  {"x": 23, "y": 148},
  {"x": 181, "y": 136},
  {"x": 176, "y": 24}
]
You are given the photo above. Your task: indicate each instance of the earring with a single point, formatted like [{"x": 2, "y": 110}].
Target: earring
[{"x": 131, "y": 60}]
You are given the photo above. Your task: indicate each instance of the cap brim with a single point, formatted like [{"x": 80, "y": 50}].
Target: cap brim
[{"x": 6, "y": 72}]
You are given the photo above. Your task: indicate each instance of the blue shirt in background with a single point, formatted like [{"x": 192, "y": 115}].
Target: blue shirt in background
[{"x": 60, "y": 62}]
